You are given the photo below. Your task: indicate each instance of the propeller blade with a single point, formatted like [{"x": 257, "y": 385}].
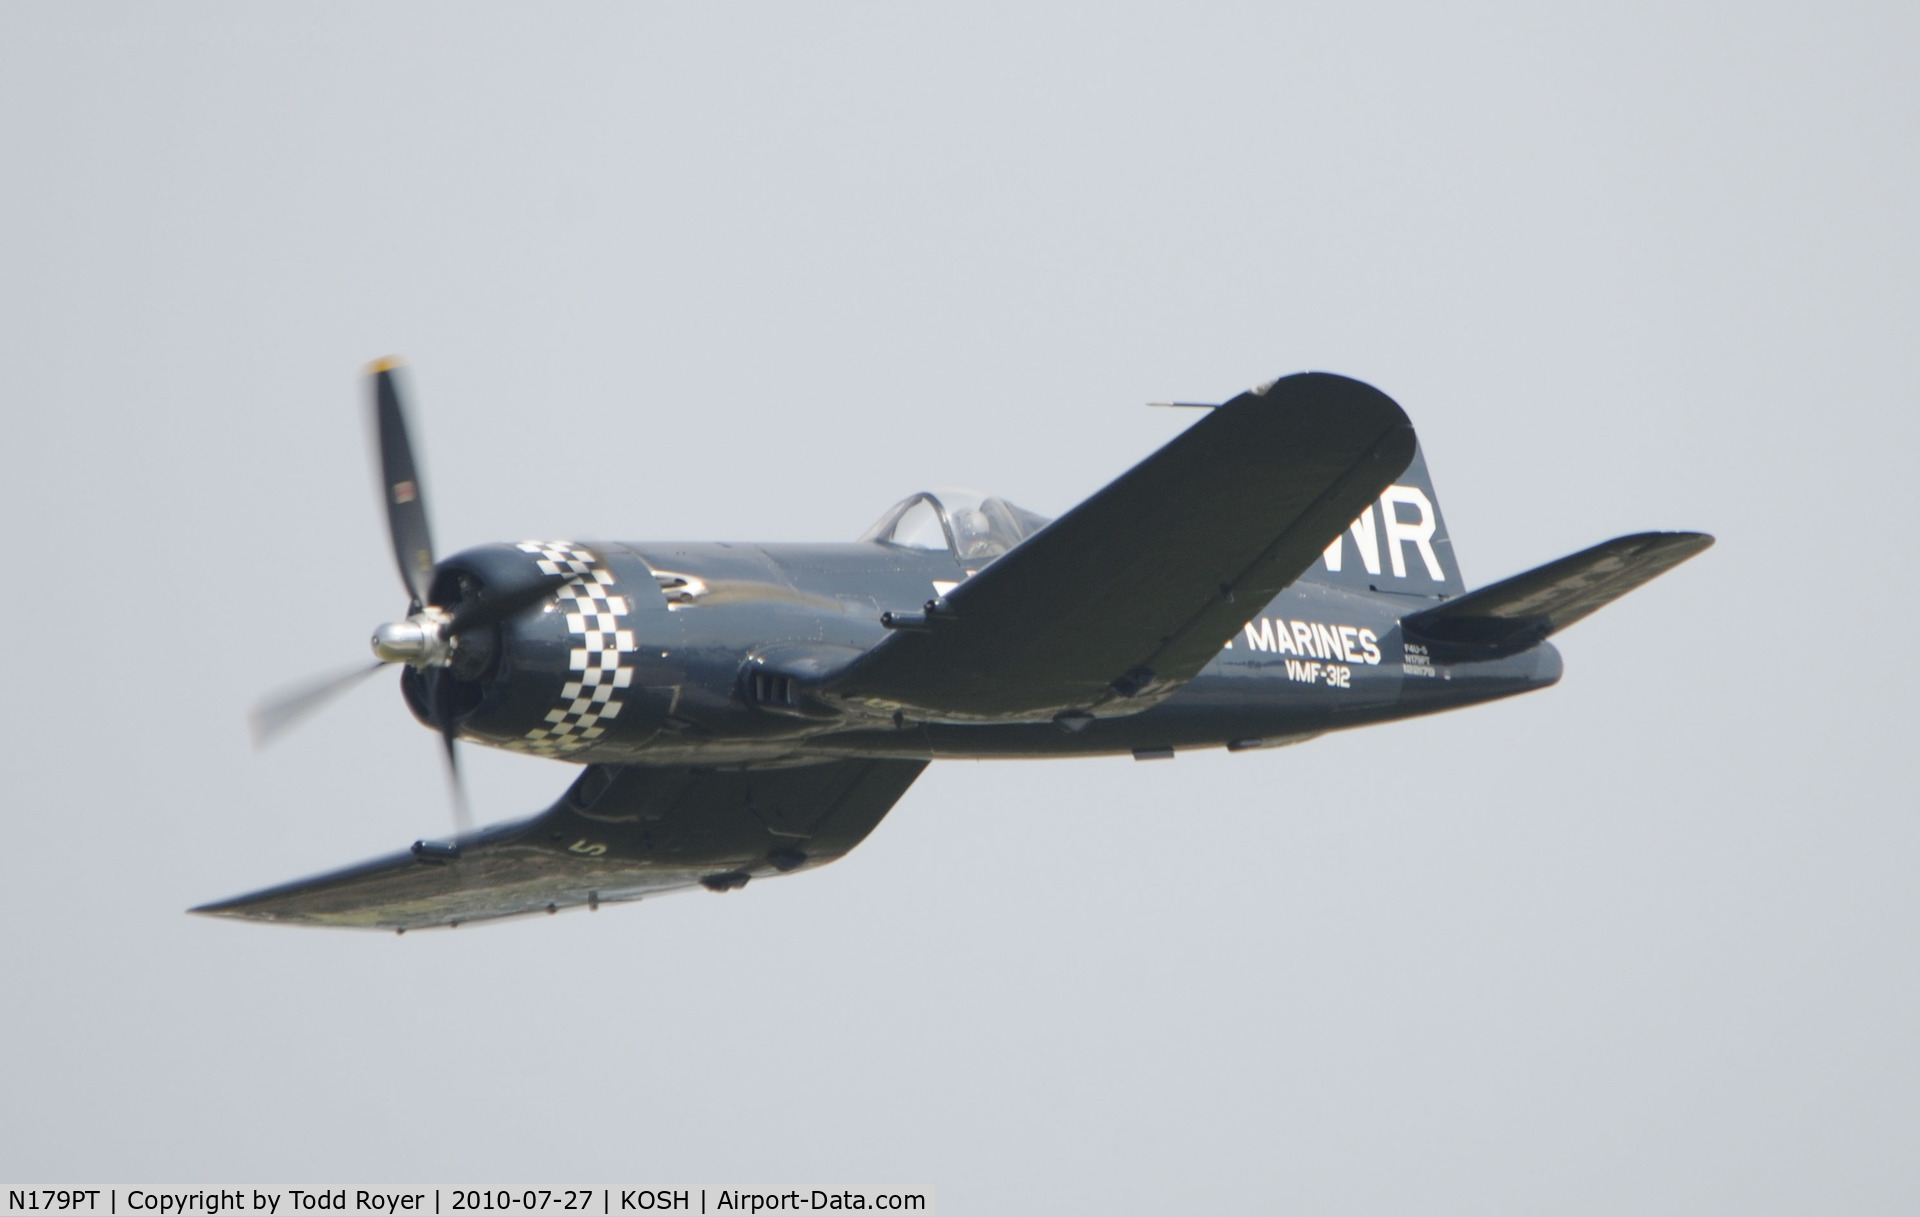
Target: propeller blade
[
  {"x": 492, "y": 609},
  {"x": 462, "y": 817},
  {"x": 273, "y": 715},
  {"x": 400, "y": 484},
  {"x": 449, "y": 732}
]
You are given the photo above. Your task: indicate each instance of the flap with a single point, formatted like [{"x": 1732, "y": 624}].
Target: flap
[
  {"x": 1120, "y": 601},
  {"x": 619, "y": 833}
]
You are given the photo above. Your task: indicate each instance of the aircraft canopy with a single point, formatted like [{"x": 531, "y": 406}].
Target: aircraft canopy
[{"x": 974, "y": 527}]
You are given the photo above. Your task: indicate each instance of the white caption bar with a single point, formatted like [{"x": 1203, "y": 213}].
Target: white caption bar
[{"x": 453, "y": 1201}]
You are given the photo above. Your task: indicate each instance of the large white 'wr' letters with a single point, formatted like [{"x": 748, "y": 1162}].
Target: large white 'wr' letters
[{"x": 1417, "y": 532}]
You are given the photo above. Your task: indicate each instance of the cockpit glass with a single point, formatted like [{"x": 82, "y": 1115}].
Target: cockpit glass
[
  {"x": 919, "y": 527},
  {"x": 973, "y": 526}
]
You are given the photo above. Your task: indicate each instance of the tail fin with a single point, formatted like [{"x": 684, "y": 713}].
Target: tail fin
[
  {"x": 1399, "y": 544},
  {"x": 1516, "y": 613}
]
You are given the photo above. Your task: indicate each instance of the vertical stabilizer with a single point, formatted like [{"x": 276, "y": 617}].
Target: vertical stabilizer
[{"x": 1399, "y": 544}]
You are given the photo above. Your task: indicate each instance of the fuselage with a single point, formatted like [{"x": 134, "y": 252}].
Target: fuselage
[{"x": 656, "y": 662}]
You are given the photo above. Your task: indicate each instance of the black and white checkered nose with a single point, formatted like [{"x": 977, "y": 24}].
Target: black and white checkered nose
[{"x": 600, "y": 661}]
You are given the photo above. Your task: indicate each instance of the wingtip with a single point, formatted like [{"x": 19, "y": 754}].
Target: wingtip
[
  {"x": 388, "y": 364},
  {"x": 1685, "y": 539},
  {"x": 238, "y": 908}
]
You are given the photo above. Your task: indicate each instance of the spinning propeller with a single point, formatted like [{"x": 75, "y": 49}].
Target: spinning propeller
[{"x": 429, "y": 638}]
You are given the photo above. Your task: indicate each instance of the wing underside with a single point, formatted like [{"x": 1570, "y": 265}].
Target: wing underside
[{"x": 619, "y": 833}]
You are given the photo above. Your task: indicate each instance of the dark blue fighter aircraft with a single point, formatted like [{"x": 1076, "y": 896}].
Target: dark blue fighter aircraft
[{"x": 739, "y": 711}]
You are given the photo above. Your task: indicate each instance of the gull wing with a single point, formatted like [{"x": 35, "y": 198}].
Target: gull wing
[
  {"x": 619, "y": 833},
  {"x": 1117, "y": 603}
]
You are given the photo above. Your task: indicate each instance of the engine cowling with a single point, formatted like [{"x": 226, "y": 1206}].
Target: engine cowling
[{"x": 564, "y": 677}]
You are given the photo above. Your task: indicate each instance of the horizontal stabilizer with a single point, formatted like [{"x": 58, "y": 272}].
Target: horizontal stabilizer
[
  {"x": 1518, "y": 612},
  {"x": 620, "y": 833},
  {"x": 1117, "y": 603}
]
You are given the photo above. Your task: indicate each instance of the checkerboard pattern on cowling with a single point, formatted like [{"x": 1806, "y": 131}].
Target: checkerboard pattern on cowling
[{"x": 598, "y": 667}]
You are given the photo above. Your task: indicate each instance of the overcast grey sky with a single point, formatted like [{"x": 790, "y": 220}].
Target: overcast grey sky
[{"x": 1645, "y": 942}]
